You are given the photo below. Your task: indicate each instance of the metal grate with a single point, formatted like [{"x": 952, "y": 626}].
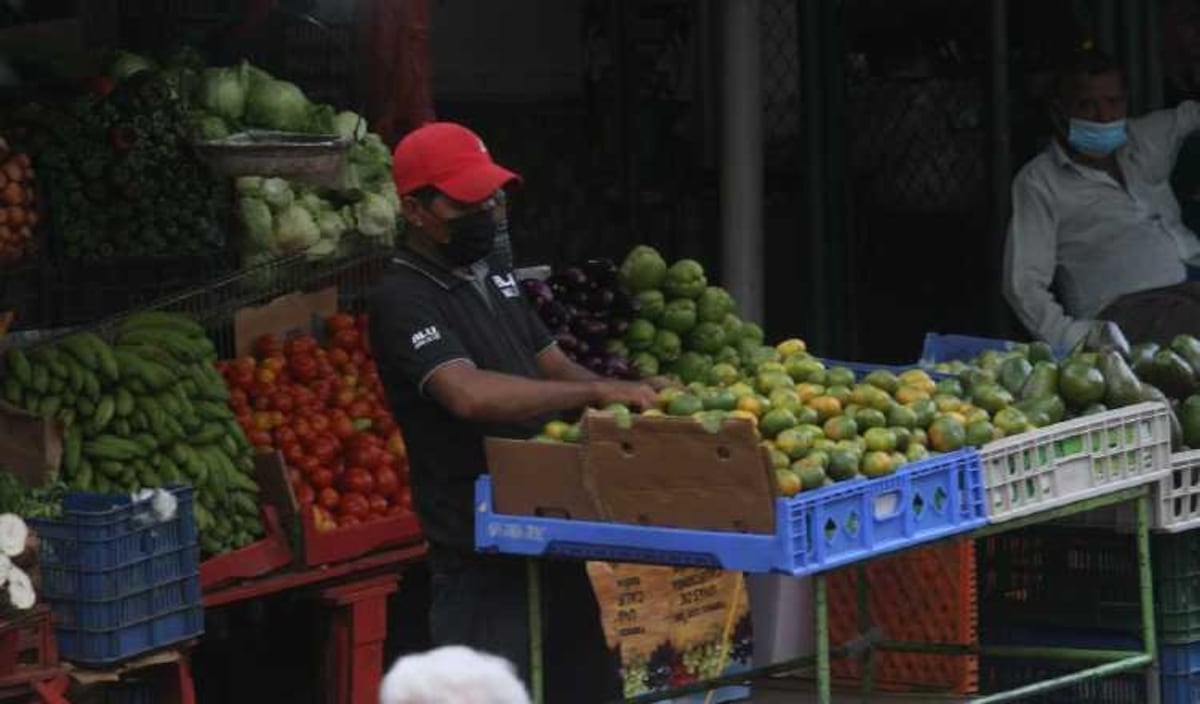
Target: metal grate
[
  {"x": 215, "y": 303},
  {"x": 780, "y": 47}
]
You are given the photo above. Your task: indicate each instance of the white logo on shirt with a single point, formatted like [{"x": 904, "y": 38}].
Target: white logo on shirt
[
  {"x": 425, "y": 336},
  {"x": 481, "y": 147},
  {"x": 507, "y": 285}
]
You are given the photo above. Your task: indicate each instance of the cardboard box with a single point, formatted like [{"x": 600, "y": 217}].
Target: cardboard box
[
  {"x": 31, "y": 446},
  {"x": 290, "y": 314},
  {"x": 660, "y": 471}
]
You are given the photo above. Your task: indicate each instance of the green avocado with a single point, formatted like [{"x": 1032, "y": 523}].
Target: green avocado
[
  {"x": 1040, "y": 352},
  {"x": 1171, "y": 374},
  {"x": 1141, "y": 356},
  {"x": 1122, "y": 387},
  {"x": 1041, "y": 383},
  {"x": 1013, "y": 373},
  {"x": 1080, "y": 385},
  {"x": 1187, "y": 347},
  {"x": 1189, "y": 419}
]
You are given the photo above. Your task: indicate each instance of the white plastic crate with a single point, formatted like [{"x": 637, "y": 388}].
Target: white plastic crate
[
  {"x": 1177, "y": 498},
  {"x": 1075, "y": 460}
]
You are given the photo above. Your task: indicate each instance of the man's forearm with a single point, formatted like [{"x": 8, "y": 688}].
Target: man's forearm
[{"x": 490, "y": 397}]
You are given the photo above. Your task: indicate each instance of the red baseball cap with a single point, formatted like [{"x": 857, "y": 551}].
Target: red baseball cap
[{"x": 452, "y": 159}]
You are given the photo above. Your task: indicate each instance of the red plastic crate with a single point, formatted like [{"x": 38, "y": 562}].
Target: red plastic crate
[
  {"x": 314, "y": 547},
  {"x": 924, "y": 595},
  {"x": 254, "y": 560},
  {"x": 28, "y": 651}
]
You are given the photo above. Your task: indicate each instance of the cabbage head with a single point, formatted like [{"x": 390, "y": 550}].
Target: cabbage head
[
  {"x": 277, "y": 105},
  {"x": 256, "y": 218},
  {"x": 295, "y": 229},
  {"x": 222, "y": 92},
  {"x": 277, "y": 193}
]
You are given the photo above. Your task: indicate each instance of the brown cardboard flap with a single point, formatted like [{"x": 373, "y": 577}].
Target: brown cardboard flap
[
  {"x": 293, "y": 313},
  {"x": 31, "y": 447},
  {"x": 271, "y": 475},
  {"x": 673, "y": 472},
  {"x": 539, "y": 479}
]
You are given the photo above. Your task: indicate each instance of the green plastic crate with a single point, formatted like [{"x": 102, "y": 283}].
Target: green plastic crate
[{"x": 1177, "y": 586}]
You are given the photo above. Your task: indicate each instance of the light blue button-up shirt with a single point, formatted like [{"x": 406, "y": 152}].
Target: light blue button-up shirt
[{"x": 1077, "y": 229}]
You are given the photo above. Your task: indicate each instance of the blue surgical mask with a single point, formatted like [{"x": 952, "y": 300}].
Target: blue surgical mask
[{"x": 1097, "y": 139}]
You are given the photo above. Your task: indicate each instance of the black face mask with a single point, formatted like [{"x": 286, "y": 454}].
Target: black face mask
[{"x": 471, "y": 238}]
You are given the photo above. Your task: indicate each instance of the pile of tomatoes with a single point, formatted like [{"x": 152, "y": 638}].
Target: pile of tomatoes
[{"x": 323, "y": 408}]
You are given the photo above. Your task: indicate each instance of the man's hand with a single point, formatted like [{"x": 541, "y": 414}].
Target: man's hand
[
  {"x": 658, "y": 383},
  {"x": 629, "y": 393}
]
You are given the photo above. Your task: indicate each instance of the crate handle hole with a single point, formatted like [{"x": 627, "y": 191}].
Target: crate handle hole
[
  {"x": 831, "y": 528},
  {"x": 887, "y": 505},
  {"x": 940, "y": 499},
  {"x": 627, "y": 449},
  {"x": 723, "y": 452}
]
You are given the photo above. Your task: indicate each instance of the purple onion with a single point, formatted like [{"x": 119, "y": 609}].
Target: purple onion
[
  {"x": 616, "y": 367},
  {"x": 567, "y": 341},
  {"x": 597, "y": 364},
  {"x": 600, "y": 300}
]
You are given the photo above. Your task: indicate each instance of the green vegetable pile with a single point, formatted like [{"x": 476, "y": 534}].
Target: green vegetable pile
[
  {"x": 122, "y": 177},
  {"x": 30, "y": 502},
  {"x": 146, "y": 411}
]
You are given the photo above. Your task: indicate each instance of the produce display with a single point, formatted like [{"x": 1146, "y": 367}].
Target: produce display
[
  {"x": 823, "y": 425},
  {"x": 1092, "y": 380},
  {"x": 18, "y": 205},
  {"x": 683, "y": 326},
  {"x": 146, "y": 410},
  {"x": 122, "y": 176},
  {"x": 323, "y": 408},
  {"x": 588, "y": 314},
  {"x": 277, "y": 216}
]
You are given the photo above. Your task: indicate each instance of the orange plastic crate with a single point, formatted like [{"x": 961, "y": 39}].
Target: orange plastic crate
[{"x": 924, "y": 595}]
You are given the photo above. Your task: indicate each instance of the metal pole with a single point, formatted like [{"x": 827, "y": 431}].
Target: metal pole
[
  {"x": 742, "y": 157},
  {"x": 1146, "y": 583},
  {"x": 1001, "y": 157},
  {"x": 824, "y": 684},
  {"x": 808, "y": 14},
  {"x": 536, "y": 674}
]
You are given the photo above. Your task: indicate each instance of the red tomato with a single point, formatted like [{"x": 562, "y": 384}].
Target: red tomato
[
  {"x": 265, "y": 376},
  {"x": 304, "y": 367},
  {"x": 309, "y": 464},
  {"x": 238, "y": 400},
  {"x": 324, "y": 449},
  {"x": 358, "y": 479},
  {"x": 302, "y": 429},
  {"x": 377, "y": 504},
  {"x": 242, "y": 378},
  {"x": 321, "y": 479},
  {"x": 282, "y": 401},
  {"x": 344, "y": 398},
  {"x": 348, "y": 339},
  {"x": 383, "y": 424},
  {"x": 259, "y": 438},
  {"x": 353, "y": 504},
  {"x": 339, "y": 321},
  {"x": 328, "y": 498},
  {"x": 293, "y": 453},
  {"x": 387, "y": 482},
  {"x": 339, "y": 357},
  {"x": 300, "y": 344},
  {"x": 305, "y": 496},
  {"x": 267, "y": 345},
  {"x": 360, "y": 455},
  {"x": 348, "y": 521},
  {"x": 343, "y": 428},
  {"x": 403, "y": 498},
  {"x": 361, "y": 409},
  {"x": 319, "y": 422}
]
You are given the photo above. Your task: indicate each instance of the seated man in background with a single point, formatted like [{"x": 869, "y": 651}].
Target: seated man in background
[{"x": 1095, "y": 218}]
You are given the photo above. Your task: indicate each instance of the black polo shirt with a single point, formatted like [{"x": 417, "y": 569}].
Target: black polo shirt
[{"x": 424, "y": 316}]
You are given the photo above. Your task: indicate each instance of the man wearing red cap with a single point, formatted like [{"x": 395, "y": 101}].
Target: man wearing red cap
[{"x": 463, "y": 357}]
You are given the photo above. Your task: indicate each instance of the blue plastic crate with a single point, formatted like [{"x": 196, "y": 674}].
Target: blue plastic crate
[
  {"x": 69, "y": 583},
  {"x": 104, "y": 531},
  {"x": 120, "y": 583},
  {"x": 940, "y": 347},
  {"x": 862, "y": 369},
  {"x": 109, "y": 646},
  {"x": 1179, "y": 667},
  {"x": 814, "y": 531},
  {"x": 131, "y": 692}
]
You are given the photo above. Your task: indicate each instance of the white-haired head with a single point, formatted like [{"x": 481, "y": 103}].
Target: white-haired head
[{"x": 452, "y": 675}]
